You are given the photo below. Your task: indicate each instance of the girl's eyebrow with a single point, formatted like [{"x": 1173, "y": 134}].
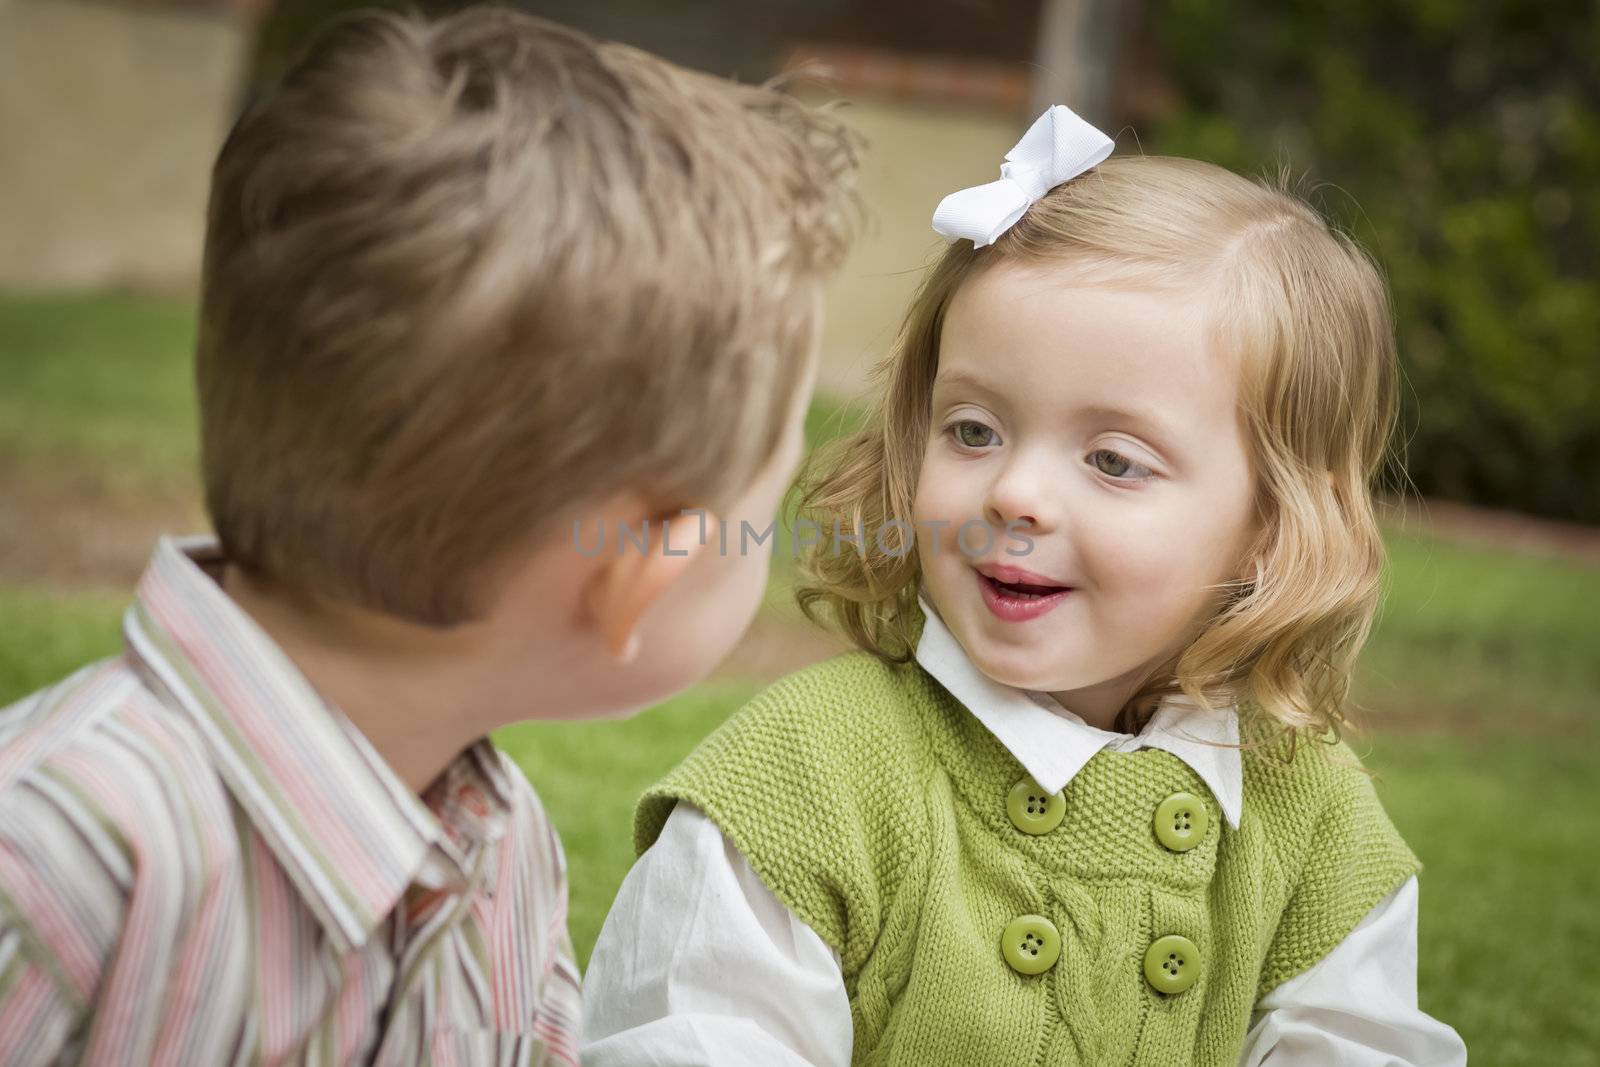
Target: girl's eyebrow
[
  {"x": 962, "y": 378},
  {"x": 1146, "y": 421}
]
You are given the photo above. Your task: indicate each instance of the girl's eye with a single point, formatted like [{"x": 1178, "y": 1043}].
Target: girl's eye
[
  {"x": 972, "y": 434},
  {"x": 1117, "y": 465}
]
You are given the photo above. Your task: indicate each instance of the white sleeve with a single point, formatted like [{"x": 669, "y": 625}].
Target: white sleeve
[
  {"x": 699, "y": 964},
  {"x": 1357, "y": 1007}
]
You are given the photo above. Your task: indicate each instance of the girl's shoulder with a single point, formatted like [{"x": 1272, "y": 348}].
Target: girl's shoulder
[
  {"x": 850, "y": 708},
  {"x": 814, "y": 780},
  {"x": 813, "y": 740},
  {"x": 1296, "y": 765},
  {"x": 1317, "y": 807},
  {"x": 851, "y": 691},
  {"x": 1314, "y": 808}
]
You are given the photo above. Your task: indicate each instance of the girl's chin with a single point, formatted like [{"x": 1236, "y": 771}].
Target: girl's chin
[
  {"x": 1019, "y": 667},
  {"x": 1017, "y": 671}
]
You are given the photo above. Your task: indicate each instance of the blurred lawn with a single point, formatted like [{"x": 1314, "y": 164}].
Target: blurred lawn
[
  {"x": 101, "y": 383},
  {"x": 1481, "y": 678},
  {"x": 1473, "y": 636}
]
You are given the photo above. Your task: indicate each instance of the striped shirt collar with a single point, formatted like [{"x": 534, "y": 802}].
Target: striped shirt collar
[
  {"x": 335, "y": 814},
  {"x": 1053, "y": 744}
]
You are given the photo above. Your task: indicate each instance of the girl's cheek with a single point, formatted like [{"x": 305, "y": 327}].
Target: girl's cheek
[
  {"x": 929, "y": 480},
  {"x": 1171, "y": 585},
  {"x": 1121, "y": 549},
  {"x": 943, "y": 494},
  {"x": 1140, "y": 574}
]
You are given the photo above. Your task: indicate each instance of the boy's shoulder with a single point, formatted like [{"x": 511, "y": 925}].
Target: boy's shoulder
[
  {"x": 101, "y": 791},
  {"x": 103, "y": 720}
]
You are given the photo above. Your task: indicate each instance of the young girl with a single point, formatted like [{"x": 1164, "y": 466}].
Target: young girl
[{"x": 1108, "y": 551}]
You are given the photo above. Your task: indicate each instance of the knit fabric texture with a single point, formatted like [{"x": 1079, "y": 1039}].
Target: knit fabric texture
[{"x": 874, "y": 805}]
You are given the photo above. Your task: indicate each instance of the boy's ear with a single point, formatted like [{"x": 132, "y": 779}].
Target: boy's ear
[{"x": 628, "y": 582}]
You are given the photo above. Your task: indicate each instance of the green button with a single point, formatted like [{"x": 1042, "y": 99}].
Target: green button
[
  {"x": 1172, "y": 964},
  {"x": 1031, "y": 944},
  {"x": 1181, "y": 821},
  {"x": 1032, "y": 810}
]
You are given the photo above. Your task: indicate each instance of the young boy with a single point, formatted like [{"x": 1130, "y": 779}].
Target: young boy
[{"x": 477, "y": 294}]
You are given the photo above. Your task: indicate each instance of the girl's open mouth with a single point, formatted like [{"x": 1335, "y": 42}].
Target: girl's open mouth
[{"x": 1018, "y": 601}]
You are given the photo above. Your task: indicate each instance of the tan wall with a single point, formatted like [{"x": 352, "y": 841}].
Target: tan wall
[
  {"x": 917, "y": 153},
  {"x": 109, "y": 120}
]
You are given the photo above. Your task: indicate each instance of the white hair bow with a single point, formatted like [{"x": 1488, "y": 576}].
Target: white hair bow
[{"x": 1057, "y": 147}]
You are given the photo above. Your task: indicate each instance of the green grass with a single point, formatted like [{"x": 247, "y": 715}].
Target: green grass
[
  {"x": 102, "y": 384},
  {"x": 45, "y": 634},
  {"x": 589, "y": 775},
  {"x": 1475, "y": 633},
  {"x": 829, "y": 418},
  {"x": 1505, "y": 825}
]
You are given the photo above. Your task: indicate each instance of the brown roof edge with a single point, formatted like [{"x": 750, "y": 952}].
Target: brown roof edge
[
  {"x": 250, "y": 9},
  {"x": 924, "y": 78}
]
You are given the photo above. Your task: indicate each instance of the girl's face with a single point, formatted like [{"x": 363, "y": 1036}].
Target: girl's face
[{"x": 1100, "y": 426}]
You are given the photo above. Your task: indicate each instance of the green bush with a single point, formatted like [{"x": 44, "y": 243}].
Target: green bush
[{"x": 1460, "y": 144}]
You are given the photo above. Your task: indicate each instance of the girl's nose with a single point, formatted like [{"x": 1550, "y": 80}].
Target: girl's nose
[{"x": 1021, "y": 495}]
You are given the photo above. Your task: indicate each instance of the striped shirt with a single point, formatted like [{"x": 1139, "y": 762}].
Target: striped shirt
[{"x": 202, "y": 862}]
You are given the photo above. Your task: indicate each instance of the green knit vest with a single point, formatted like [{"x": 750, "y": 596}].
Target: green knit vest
[{"x": 874, "y": 805}]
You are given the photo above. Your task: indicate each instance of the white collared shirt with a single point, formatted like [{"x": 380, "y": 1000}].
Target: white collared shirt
[
  {"x": 1053, "y": 744},
  {"x": 699, "y": 963}
]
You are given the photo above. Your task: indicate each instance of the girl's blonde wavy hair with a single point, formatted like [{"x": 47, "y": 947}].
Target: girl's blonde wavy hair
[{"x": 1306, "y": 314}]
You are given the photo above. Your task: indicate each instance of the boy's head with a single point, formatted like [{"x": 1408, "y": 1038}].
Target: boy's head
[{"x": 463, "y": 278}]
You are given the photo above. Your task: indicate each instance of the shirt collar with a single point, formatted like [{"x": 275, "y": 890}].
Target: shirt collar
[
  {"x": 1053, "y": 744},
  {"x": 336, "y": 816}
]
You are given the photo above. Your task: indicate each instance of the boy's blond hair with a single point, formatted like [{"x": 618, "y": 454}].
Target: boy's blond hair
[
  {"x": 1304, "y": 313},
  {"x": 461, "y": 276}
]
